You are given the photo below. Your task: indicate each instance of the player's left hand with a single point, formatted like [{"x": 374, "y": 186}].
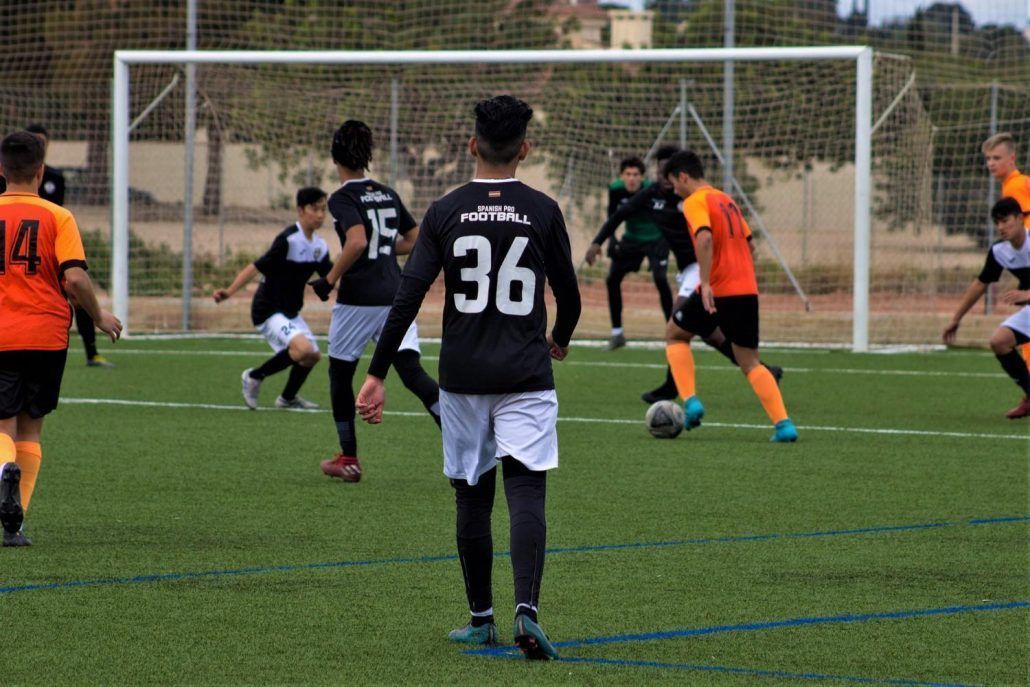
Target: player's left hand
[
  {"x": 707, "y": 297},
  {"x": 1015, "y": 296},
  {"x": 371, "y": 399},
  {"x": 221, "y": 295},
  {"x": 557, "y": 352}
]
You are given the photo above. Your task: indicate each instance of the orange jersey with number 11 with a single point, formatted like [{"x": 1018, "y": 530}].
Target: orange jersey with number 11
[
  {"x": 733, "y": 270},
  {"x": 39, "y": 240}
]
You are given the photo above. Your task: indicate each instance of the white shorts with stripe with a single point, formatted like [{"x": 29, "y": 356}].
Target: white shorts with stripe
[
  {"x": 279, "y": 330},
  {"x": 688, "y": 279},
  {"x": 353, "y": 326},
  {"x": 480, "y": 428},
  {"x": 1020, "y": 321}
]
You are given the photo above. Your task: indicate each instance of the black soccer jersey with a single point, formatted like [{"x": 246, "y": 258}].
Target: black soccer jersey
[
  {"x": 286, "y": 268},
  {"x": 496, "y": 242},
  {"x": 666, "y": 210},
  {"x": 374, "y": 277},
  {"x": 1003, "y": 256}
]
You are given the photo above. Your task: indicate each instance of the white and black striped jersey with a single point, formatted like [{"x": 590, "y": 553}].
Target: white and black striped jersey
[
  {"x": 373, "y": 279},
  {"x": 1001, "y": 256},
  {"x": 496, "y": 242},
  {"x": 285, "y": 269}
]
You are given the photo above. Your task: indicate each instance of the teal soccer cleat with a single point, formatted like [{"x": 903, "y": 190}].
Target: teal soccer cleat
[
  {"x": 785, "y": 432},
  {"x": 694, "y": 411},
  {"x": 531, "y": 639},
  {"x": 484, "y": 634}
]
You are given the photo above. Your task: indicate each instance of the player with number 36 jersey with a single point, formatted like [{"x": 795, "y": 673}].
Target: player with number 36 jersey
[{"x": 497, "y": 242}]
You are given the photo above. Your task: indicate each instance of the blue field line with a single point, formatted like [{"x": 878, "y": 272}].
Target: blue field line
[
  {"x": 758, "y": 672},
  {"x": 408, "y": 560},
  {"x": 767, "y": 625}
]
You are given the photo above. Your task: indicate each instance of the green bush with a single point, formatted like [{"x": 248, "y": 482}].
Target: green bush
[{"x": 157, "y": 270}]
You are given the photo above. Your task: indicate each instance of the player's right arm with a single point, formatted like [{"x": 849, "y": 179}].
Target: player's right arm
[
  {"x": 355, "y": 244},
  {"x": 244, "y": 276},
  {"x": 974, "y": 291},
  {"x": 637, "y": 202}
]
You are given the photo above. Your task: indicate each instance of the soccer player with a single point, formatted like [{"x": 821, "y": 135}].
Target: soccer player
[
  {"x": 1000, "y": 156},
  {"x": 52, "y": 189},
  {"x": 727, "y": 297},
  {"x": 374, "y": 228},
  {"x": 664, "y": 206},
  {"x": 1011, "y": 253},
  {"x": 296, "y": 253},
  {"x": 641, "y": 239},
  {"x": 41, "y": 264},
  {"x": 496, "y": 240}
]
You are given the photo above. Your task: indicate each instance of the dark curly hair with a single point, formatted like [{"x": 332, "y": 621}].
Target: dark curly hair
[
  {"x": 352, "y": 145},
  {"x": 501, "y": 127}
]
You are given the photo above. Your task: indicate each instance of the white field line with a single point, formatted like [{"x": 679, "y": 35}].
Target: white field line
[
  {"x": 588, "y": 363},
  {"x": 588, "y": 420}
]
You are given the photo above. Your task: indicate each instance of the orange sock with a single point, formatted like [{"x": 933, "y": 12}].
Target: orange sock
[
  {"x": 30, "y": 455},
  {"x": 681, "y": 362},
  {"x": 7, "y": 449},
  {"x": 768, "y": 393},
  {"x": 1025, "y": 350}
]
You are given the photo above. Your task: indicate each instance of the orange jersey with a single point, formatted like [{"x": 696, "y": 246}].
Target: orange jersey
[
  {"x": 733, "y": 270},
  {"x": 1017, "y": 186},
  {"x": 39, "y": 241}
]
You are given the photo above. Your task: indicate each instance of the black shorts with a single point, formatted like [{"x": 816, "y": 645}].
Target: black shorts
[
  {"x": 30, "y": 382},
  {"x": 628, "y": 255},
  {"x": 736, "y": 316}
]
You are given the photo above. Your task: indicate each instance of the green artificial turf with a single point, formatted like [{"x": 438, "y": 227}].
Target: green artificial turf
[{"x": 202, "y": 545}]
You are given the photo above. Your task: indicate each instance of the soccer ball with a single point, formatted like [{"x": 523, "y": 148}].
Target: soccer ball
[{"x": 664, "y": 419}]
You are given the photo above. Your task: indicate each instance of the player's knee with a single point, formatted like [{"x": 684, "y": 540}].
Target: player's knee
[
  {"x": 310, "y": 358},
  {"x": 1002, "y": 342},
  {"x": 674, "y": 333}
]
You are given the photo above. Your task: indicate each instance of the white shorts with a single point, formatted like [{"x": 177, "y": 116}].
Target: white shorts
[
  {"x": 279, "y": 330},
  {"x": 480, "y": 428},
  {"x": 353, "y": 326},
  {"x": 688, "y": 279},
  {"x": 1020, "y": 321}
]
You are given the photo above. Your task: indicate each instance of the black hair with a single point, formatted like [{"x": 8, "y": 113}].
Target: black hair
[
  {"x": 1006, "y": 207},
  {"x": 501, "y": 128},
  {"x": 665, "y": 152},
  {"x": 309, "y": 195},
  {"x": 632, "y": 162},
  {"x": 38, "y": 129},
  {"x": 21, "y": 155},
  {"x": 685, "y": 161},
  {"x": 352, "y": 145}
]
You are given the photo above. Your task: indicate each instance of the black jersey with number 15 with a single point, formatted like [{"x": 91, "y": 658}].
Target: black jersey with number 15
[
  {"x": 496, "y": 242},
  {"x": 372, "y": 279}
]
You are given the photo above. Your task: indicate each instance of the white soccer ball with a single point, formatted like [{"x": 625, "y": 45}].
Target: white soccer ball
[{"x": 665, "y": 419}]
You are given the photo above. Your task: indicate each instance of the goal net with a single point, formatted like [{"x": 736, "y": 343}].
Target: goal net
[{"x": 264, "y": 126}]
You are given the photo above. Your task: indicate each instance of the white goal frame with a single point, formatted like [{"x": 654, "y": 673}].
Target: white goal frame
[{"x": 862, "y": 57}]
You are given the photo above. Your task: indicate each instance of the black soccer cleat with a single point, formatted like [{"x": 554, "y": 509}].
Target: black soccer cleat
[
  {"x": 11, "y": 513},
  {"x": 662, "y": 393},
  {"x": 776, "y": 371},
  {"x": 16, "y": 539}
]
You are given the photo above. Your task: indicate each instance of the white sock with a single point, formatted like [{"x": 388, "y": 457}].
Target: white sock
[{"x": 616, "y": 331}]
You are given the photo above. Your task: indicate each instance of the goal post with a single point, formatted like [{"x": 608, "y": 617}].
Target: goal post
[{"x": 861, "y": 57}]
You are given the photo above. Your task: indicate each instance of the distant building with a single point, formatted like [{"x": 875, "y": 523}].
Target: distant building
[{"x": 586, "y": 25}]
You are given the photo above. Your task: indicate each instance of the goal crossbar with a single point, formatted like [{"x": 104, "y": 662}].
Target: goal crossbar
[{"x": 860, "y": 55}]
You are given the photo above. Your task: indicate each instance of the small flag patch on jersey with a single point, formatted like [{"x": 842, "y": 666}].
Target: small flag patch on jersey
[{"x": 494, "y": 194}]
